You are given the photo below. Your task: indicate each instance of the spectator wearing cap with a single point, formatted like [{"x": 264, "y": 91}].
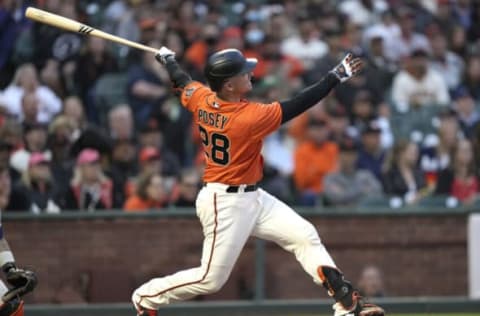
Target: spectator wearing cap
[
  {"x": 418, "y": 85},
  {"x": 90, "y": 189},
  {"x": 150, "y": 135},
  {"x": 467, "y": 113},
  {"x": 35, "y": 140},
  {"x": 371, "y": 155},
  {"x": 313, "y": 159},
  {"x": 24, "y": 81},
  {"x": 365, "y": 112},
  {"x": 149, "y": 194},
  {"x": 36, "y": 192},
  {"x": 403, "y": 177},
  {"x": 348, "y": 185},
  {"x": 460, "y": 180}
]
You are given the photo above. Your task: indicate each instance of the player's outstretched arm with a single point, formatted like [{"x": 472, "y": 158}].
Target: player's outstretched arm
[
  {"x": 313, "y": 94},
  {"x": 178, "y": 76}
]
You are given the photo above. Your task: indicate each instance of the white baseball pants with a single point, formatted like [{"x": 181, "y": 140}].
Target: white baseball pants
[{"x": 228, "y": 219}]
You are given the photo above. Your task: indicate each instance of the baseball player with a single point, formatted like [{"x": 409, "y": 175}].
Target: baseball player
[
  {"x": 22, "y": 281},
  {"x": 230, "y": 206}
]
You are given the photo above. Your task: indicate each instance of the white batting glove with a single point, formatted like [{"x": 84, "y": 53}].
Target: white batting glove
[
  {"x": 347, "y": 68},
  {"x": 163, "y": 54}
]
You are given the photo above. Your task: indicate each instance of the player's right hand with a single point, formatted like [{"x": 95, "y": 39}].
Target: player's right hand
[
  {"x": 23, "y": 280},
  {"x": 163, "y": 54},
  {"x": 347, "y": 68}
]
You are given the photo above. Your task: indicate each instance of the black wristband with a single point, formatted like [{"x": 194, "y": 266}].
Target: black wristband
[{"x": 8, "y": 266}]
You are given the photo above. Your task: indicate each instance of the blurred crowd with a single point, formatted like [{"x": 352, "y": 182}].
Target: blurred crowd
[{"x": 86, "y": 124}]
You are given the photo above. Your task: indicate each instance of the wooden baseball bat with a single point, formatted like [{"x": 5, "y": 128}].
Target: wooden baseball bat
[{"x": 74, "y": 26}]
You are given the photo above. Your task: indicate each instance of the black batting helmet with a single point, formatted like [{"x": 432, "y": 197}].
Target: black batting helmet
[{"x": 226, "y": 64}]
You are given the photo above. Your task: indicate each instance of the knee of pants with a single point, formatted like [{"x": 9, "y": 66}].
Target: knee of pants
[{"x": 214, "y": 281}]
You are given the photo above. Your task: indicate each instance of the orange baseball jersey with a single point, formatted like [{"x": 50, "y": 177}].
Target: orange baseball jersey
[{"x": 232, "y": 134}]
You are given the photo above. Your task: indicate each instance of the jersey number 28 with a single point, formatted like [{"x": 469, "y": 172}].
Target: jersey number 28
[{"x": 219, "y": 146}]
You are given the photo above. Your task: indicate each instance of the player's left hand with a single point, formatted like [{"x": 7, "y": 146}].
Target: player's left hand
[
  {"x": 163, "y": 54},
  {"x": 348, "y": 68}
]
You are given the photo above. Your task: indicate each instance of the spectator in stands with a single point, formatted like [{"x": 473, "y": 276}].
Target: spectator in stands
[
  {"x": 123, "y": 168},
  {"x": 436, "y": 156},
  {"x": 468, "y": 116},
  {"x": 146, "y": 87},
  {"x": 371, "y": 155},
  {"x": 73, "y": 108},
  {"x": 379, "y": 69},
  {"x": 472, "y": 76},
  {"x": 313, "y": 159},
  {"x": 13, "y": 23},
  {"x": 348, "y": 185},
  {"x": 460, "y": 180},
  {"x": 37, "y": 191},
  {"x": 60, "y": 139},
  {"x": 409, "y": 40},
  {"x": 385, "y": 32},
  {"x": 371, "y": 282},
  {"x": 149, "y": 194},
  {"x": 190, "y": 184},
  {"x": 330, "y": 59},
  {"x": 5, "y": 188},
  {"x": 338, "y": 122},
  {"x": 35, "y": 140},
  {"x": 362, "y": 12},
  {"x": 121, "y": 122},
  {"x": 26, "y": 80},
  {"x": 90, "y": 189},
  {"x": 363, "y": 110},
  {"x": 150, "y": 135},
  {"x": 446, "y": 62},
  {"x": 418, "y": 85},
  {"x": 94, "y": 61},
  {"x": 198, "y": 52},
  {"x": 29, "y": 108},
  {"x": 5, "y": 150},
  {"x": 403, "y": 177},
  {"x": 306, "y": 45}
]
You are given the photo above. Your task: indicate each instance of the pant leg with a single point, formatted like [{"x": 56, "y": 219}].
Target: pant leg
[
  {"x": 227, "y": 220},
  {"x": 279, "y": 223}
]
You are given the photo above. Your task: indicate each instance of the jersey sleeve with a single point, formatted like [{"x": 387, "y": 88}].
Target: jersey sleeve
[
  {"x": 191, "y": 95},
  {"x": 266, "y": 118}
]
